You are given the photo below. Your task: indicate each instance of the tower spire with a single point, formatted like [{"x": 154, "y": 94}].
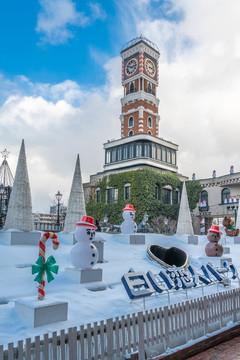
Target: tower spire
[{"x": 76, "y": 204}]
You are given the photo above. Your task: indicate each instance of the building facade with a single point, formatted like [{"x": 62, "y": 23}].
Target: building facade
[
  {"x": 219, "y": 197},
  {"x": 139, "y": 146}
]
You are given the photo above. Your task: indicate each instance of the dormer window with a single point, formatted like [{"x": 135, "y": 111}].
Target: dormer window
[
  {"x": 130, "y": 122},
  {"x": 131, "y": 88}
]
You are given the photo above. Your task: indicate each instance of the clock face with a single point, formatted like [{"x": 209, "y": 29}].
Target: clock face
[
  {"x": 131, "y": 67},
  {"x": 150, "y": 67}
]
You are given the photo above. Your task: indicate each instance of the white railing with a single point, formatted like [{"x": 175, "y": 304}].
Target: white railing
[{"x": 151, "y": 332}]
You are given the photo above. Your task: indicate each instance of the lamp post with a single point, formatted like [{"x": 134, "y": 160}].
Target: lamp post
[
  {"x": 58, "y": 198},
  {"x": 144, "y": 222},
  {"x": 234, "y": 208},
  {"x": 204, "y": 212}
]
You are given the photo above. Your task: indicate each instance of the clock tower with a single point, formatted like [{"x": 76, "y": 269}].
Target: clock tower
[{"x": 139, "y": 80}]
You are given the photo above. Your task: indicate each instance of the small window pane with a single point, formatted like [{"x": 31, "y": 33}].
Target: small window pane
[{"x": 126, "y": 192}]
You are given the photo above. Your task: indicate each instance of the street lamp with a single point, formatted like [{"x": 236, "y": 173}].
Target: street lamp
[
  {"x": 235, "y": 209},
  {"x": 144, "y": 222},
  {"x": 58, "y": 198}
]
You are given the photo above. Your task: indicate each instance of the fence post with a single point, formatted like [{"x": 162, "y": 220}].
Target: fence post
[
  {"x": 110, "y": 339},
  {"x": 188, "y": 324},
  {"x": 141, "y": 336},
  {"x": 234, "y": 306},
  {"x": 166, "y": 326},
  {"x": 205, "y": 304}
]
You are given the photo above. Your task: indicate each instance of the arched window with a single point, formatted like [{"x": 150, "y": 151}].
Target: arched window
[
  {"x": 131, "y": 88},
  {"x": 149, "y": 88},
  {"x": 149, "y": 122},
  {"x": 130, "y": 133},
  {"x": 204, "y": 198},
  {"x": 225, "y": 195},
  {"x": 130, "y": 122},
  {"x": 149, "y": 132}
]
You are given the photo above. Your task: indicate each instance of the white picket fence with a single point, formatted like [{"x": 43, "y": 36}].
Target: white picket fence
[{"x": 151, "y": 332}]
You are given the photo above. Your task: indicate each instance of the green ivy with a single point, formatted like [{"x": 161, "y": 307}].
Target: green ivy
[{"x": 142, "y": 195}]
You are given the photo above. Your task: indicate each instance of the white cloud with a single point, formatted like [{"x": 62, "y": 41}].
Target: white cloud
[
  {"x": 55, "y": 130},
  {"x": 56, "y": 17}
]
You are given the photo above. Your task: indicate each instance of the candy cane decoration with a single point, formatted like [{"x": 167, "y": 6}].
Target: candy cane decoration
[{"x": 42, "y": 251}]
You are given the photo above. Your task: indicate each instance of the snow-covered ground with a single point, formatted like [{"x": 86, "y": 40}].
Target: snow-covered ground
[{"x": 85, "y": 304}]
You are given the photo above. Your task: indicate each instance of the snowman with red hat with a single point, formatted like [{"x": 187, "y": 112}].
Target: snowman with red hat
[
  {"x": 84, "y": 255},
  {"x": 213, "y": 248},
  {"x": 128, "y": 226}
]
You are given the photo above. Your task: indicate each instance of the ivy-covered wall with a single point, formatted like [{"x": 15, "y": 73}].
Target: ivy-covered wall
[{"x": 142, "y": 195}]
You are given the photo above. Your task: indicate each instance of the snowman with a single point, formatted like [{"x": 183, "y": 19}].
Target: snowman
[
  {"x": 128, "y": 226},
  {"x": 84, "y": 254}
]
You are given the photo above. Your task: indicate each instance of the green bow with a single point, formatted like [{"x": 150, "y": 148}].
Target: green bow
[{"x": 47, "y": 267}]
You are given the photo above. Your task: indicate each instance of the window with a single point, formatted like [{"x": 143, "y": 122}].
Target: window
[
  {"x": 149, "y": 88},
  {"x": 131, "y": 88},
  {"x": 139, "y": 150},
  {"x": 204, "y": 197},
  {"x": 130, "y": 122},
  {"x": 163, "y": 154},
  {"x": 177, "y": 196},
  {"x": 97, "y": 196},
  {"x": 108, "y": 156},
  {"x": 168, "y": 156},
  {"x": 125, "y": 152},
  {"x": 147, "y": 150},
  {"x": 173, "y": 158},
  {"x": 167, "y": 194},
  {"x": 119, "y": 152},
  {"x": 130, "y": 133},
  {"x": 131, "y": 151},
  {"x": 112, "y": 195},
  {"x": 127, "y": 191},
  {"x": 149, "y": 132},
  {"x": 157, "y": 192},
  {"x": 149, "y": 122},
  {"x": 159, "y": 153},
  {"x": 154, "y": 151},
  {"x": 114, "y": 155},
  {"x": 225, "y": 195}
]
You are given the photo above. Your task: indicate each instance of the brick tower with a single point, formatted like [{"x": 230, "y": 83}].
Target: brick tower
[{"x": 139, "y": 80}]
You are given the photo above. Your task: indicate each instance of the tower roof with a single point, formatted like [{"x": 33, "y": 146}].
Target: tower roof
[{"x": 139, "y": 39}]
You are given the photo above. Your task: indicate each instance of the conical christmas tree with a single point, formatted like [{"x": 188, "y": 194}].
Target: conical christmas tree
[
  {"x": 76, "y": 204},
  {"x": 19, "y": 215},
  {"x": 184, "y": 225}
]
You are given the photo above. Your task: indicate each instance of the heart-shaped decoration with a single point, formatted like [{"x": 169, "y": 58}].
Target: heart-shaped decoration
[{"x": 167, "y": 257}]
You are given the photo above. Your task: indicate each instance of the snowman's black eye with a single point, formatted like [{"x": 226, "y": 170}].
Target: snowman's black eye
[{"x": 88, "y": 232}]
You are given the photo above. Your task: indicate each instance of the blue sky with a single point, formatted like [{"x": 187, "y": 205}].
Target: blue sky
[{"x": 60, "y": 83}]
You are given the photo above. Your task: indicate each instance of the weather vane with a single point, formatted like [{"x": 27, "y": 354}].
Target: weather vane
[{"x": 5, "y": 153}]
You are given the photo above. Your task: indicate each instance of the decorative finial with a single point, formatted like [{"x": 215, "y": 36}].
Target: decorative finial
[{"x": 5, "y": 153}]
